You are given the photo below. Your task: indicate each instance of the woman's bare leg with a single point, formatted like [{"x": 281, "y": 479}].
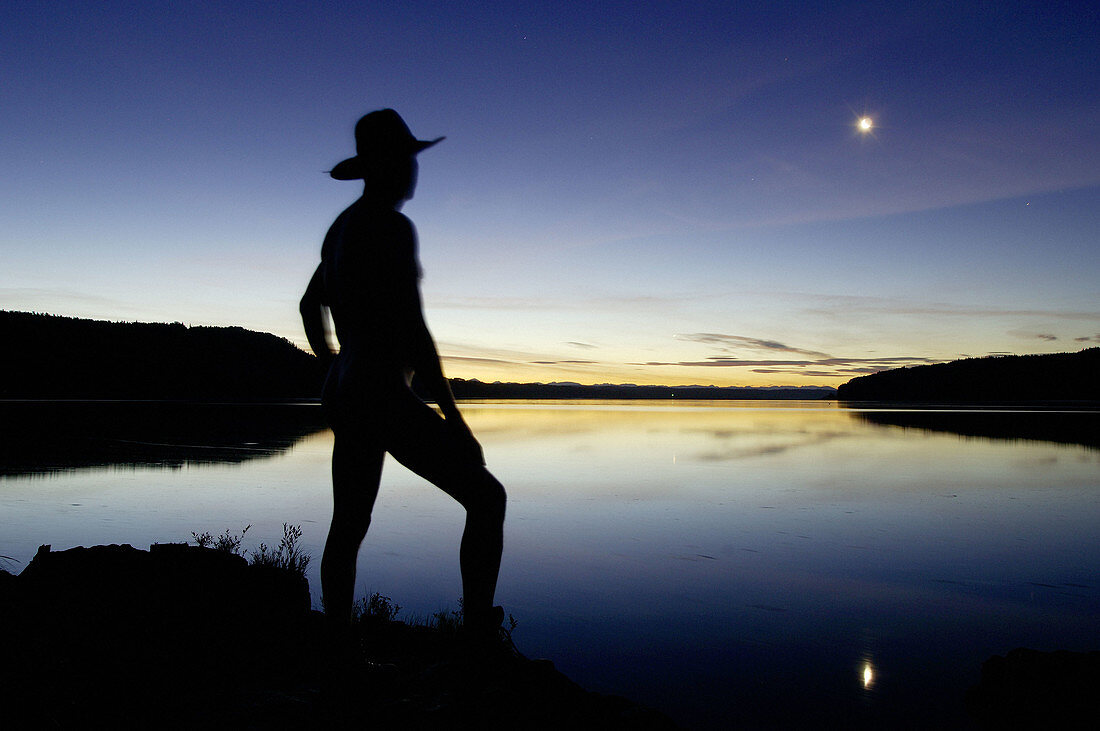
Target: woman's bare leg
[
  {"x": 417, "y": 437},
  {"x": 423, "y": 443},
  {"x": 482, "y": 540},
  {"x": 484, "y": 499},
  {"x": 356, "y": 471}
]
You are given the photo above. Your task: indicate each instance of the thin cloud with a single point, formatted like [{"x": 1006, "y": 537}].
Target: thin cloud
[
  {"x": 1029, "y": 334},
  {"x": 564, "y": 362},
  {"x": 502, "y": 357},
  {"x": 493, "y": 303},
  {"x": 724, "y": 362},
  {"x": 828, "y": 367},
  {"x": 904, "y": 359},
  {"x": 830, "y": 304},
  {"x": 747, "y": 342},
  {"x": 468, "y": 359},
  {"x": 541, "y": 304},
  {"x": 467, "y": 351},
  {"x": 583, "y": 346},
  {"x": 73, "y": 302}
]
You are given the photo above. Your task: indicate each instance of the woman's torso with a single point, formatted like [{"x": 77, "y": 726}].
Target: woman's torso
[{"x": 369, "y": 266}]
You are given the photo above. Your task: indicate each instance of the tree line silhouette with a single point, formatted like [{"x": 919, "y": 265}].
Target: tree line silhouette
[
  {"x": 56, "y": 357},
  {"x": 46, "y": 436},
  {"x": 477, "y": 389},
  {"x": 1048, "y": 377}
]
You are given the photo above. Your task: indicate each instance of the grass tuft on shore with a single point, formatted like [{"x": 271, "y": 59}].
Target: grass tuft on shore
[{"x": 288, "y": 555}]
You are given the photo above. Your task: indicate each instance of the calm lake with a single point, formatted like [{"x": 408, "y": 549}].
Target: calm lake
[{"x": 759, "y": 563}]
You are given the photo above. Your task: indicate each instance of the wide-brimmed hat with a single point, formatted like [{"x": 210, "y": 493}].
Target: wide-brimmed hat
[{"x": 378, "y": 136}]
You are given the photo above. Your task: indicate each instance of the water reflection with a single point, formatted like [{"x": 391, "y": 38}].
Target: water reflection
[
  {"x": 49, "y": 437},
  {"x": 1060, "y": 426},
  {"x": 867, "y": 675},
  {"x": 714, "y": 560}
]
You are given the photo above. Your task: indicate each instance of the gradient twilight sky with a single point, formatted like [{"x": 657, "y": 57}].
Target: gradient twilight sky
[{"x": 629, "y": 192}]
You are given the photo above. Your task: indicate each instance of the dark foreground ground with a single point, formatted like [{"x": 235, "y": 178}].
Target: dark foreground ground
[
  {"x": 182, "y": 637},
  {"x": 186, "y": 637}
]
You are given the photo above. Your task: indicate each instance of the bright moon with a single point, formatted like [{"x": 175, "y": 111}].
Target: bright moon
[{"x": 865, "y": 124}]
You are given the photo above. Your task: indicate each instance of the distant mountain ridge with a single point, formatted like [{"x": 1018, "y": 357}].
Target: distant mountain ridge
[
  {"x": 477, "y": 389},
  {"x": 1005, "y": 378},
  {"x": 57, "y": 357}
]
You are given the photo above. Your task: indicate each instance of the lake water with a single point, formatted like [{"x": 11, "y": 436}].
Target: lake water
[{"x": 759, "y": 563}]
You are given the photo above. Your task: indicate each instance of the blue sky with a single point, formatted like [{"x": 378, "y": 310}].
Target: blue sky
[{"x": 649, "y": 193}]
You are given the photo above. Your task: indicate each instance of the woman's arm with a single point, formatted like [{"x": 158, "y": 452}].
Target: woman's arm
[{"x": 314, "y": 318}]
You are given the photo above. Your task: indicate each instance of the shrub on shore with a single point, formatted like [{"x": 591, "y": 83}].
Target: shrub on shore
[{"x": 288, "y": 555}]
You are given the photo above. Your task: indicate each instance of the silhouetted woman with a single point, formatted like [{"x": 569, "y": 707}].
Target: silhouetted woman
[{"x": 369, "y": 279}]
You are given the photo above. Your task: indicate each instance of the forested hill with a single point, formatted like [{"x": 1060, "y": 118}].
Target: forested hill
[
  {"x": 1051, "y": 377},
  {"x": 47, "y": 356}
]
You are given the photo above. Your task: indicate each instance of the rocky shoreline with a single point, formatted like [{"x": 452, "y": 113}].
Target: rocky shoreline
[{"x": 186, "y": 637}]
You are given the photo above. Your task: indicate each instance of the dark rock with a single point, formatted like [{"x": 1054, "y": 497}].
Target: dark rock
[
  {"x": 119, "y": 635},
  {"x": 7, "y": 582},
  {"x": 187, "y": 637},
  {"x": 1032, "y": 689}
]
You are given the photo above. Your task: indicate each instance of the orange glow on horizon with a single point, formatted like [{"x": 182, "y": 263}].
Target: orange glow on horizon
[{"x": 671, "y": 376}]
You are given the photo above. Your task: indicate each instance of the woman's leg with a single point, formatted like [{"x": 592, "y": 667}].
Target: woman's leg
[
  {"x": 482, "y": 539},
  {"x": 424, "y": 444},
  {"x": 356, "y": 470}
]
